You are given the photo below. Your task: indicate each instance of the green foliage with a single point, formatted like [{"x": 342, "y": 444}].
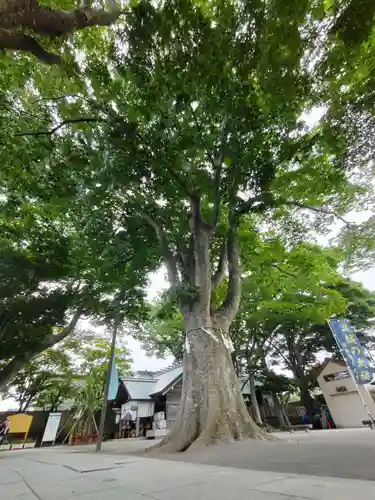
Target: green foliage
[
  {"x": 163, "y": 334},
  {"x": 93, "y": 358},
  {"x": 358, "y": 242},
  {"x": 74, "y": 372},
  {"x": 300, "y": 340},
  {"x": 45, "y": 381},
  {"x": 37, "y": 286},
  {"x": 275, "y": 383}
]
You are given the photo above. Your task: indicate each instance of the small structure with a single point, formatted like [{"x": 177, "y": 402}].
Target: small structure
[
  {"x": 18, "y": 430},
  {"x": 153, "y": 401},
  {"x": 341, "y": 394}
]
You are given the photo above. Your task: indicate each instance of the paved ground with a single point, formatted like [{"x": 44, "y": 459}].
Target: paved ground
[
  {"x": 343, "y": 454},
  {"x": 69, "y": 473},
  {"x": 339, "y": 453}
]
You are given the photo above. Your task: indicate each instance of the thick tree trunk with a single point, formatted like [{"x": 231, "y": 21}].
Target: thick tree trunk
[
  {"x": 212, "y": 408},
  {"x": 254, "y": 401}
]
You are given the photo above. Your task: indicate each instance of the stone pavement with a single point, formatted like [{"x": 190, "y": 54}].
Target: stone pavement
[{"x": 68, "y": 473}]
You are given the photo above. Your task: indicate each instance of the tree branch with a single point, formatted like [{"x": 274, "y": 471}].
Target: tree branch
[
  {"x": 59, "y": 126},
  {"x": 219, "y": 275},
  {"x": 179, "y": 181},
  {"x": 232, "y": 300},
  {"x": 283, "y": 271},
  {"x": 218, "y": 166},
  {"x": 249, "y": 204},
  {"x": 166, "y": 253},
  {"x": 14, "y": 40},
  {"x": 22, "y": 16},
  {"x": 201, "y": 233},
  {"x": 199, "y": 129},
  {"x": 51, "y": 340},
  {"x": 318, "y": 210}
]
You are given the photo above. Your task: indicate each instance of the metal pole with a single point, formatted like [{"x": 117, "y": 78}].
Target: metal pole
[
  {"x": 106, "y": 388},
  {"x": 362, "y": 398},
  {"x": 354, "y": 379}
]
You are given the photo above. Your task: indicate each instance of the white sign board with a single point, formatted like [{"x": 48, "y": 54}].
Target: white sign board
[
  {"x": 138, "y": 409},
  {"x": 52, "y": 427}
]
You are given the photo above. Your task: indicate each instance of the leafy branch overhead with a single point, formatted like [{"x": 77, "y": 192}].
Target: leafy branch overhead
[{"x": 24, "y": 22}]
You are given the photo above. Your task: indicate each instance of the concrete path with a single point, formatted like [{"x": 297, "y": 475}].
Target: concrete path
[
  {"x": 68, "y": 473},
  {"x": 344, "y": 453}
]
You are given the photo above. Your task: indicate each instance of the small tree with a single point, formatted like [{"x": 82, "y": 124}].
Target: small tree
[
  {"x": 93, "y": 365},
  {"x": 44, "y": 381}
]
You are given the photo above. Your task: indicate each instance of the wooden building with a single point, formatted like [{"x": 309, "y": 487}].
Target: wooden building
[{"x": 151, "y": 393}]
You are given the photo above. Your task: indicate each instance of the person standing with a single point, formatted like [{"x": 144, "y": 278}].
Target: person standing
[{"x": 4, "y": 429}]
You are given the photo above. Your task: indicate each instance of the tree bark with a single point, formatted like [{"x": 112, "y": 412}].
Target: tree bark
[
  {"x": 20, "y": 18},
  {"x": 281, "y": 413},
  {"x": 212, "y": 408},
  {"x": 254, "y": 401},
  {"x": 307, "y": 400}
]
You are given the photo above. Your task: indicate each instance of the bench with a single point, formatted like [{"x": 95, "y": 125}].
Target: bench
[
  {"x": 300, "y": 427},
  {"x": 370, "y": 423}
]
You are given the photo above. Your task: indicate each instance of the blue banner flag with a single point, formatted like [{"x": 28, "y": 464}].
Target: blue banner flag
[
  {"x": 113, "y": 384},
  {"x": 352, "y": 350}
]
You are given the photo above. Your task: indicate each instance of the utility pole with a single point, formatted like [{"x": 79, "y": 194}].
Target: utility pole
[{"x": 103, "y": 413}]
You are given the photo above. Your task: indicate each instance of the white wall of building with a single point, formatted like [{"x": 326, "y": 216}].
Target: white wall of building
[
  {"x": 138, "y": 409},
  {"x": 341, "y": 395}
]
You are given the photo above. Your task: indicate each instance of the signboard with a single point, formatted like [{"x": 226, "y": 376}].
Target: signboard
[
  {"x": 352, "y": 350},
  {"x": 337, "y": 376},
  {"x": 52, "y": 427}
]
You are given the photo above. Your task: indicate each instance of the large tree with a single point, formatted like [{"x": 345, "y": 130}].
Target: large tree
[
  {"x": 56, "y": 267},
  {"x": 191, "y": 134}
]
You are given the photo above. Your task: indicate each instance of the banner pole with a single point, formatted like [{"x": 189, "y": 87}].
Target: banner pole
[
  {"x": 353, "y": 378},
  {"x": 103, "y": 413},
  {"x": 361, "y": 396}
]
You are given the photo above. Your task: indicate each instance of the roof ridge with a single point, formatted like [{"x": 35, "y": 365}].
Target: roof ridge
[{"x": 168, "y": 369}]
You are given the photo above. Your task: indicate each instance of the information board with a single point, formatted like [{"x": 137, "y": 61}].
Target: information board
[{"x": 52, "y": 426}]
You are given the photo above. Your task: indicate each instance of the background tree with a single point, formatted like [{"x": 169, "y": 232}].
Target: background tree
[
  {"x": 41, "y": 301},
  {"x": 307, "y": 335},
  {"x": 36, "y": 378},
  {"x": 57, "y": 266},
  {"x": 93, "y": 354},
  {"x": 281, "y": 388},
  {"x": 162, "y": 335}
]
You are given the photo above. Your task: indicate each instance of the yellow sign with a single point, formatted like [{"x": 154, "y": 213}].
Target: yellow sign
[{"x": 20, "y": 424}]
